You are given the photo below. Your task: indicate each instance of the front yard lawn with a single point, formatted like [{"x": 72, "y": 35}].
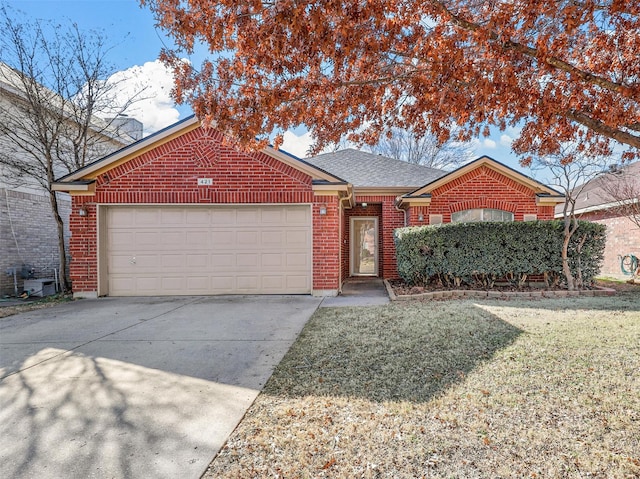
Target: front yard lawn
[{"x": 531, "y": 388}]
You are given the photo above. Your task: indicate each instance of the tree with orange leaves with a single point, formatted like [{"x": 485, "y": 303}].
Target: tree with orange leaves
[{"x": 565, "y": 71}]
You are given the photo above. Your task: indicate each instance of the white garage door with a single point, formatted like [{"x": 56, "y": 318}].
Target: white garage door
[{"x": 197, "y": 250}]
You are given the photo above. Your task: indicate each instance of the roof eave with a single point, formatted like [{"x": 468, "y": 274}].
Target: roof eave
[
  {"x": 76, "y": 188},
  {"x": 600, "y": 207},
  {"x": 411, "y": 200},
  {"x": 331, "y": 189},
  {"x": 549, "y": 200}
]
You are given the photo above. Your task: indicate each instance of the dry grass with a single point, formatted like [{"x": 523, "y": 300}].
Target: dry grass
[
  {"x": 451, "y": 389},
  {"x": 619, "y": 285}
]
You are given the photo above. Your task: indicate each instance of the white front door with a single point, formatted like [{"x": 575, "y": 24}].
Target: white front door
[{"x": 364, "y": 246}]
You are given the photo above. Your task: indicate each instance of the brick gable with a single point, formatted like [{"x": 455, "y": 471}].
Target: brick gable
[
  {"x": 168, "y": 174},
  {"x": 482, "y": 187}
]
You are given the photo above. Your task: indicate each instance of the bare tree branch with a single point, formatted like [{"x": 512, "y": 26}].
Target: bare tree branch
[
  {"x": 571, "y": 173},
  {"x": 423, "y": 150},
  {"x": 53, "y": 86}
]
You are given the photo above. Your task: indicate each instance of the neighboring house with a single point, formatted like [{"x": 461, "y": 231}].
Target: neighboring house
[
  {"x": 179, "y": 212},
  {"x": 604, "y": 200},
  {"x": 28, "y": 231}
]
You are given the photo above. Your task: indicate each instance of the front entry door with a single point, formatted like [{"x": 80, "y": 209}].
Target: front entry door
[{"x": 364, "y": 246}]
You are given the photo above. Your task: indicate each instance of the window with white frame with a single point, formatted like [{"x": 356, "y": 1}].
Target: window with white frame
[{"x": 481, "y": 214}]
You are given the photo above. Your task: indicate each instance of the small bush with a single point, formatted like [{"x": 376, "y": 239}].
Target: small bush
[{"x": 479, "y": 254}]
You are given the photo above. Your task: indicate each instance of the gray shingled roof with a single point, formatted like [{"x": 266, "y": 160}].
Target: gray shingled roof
[
  {"x": 363, "y": 169},
  {"x": 592, "y": 195}
]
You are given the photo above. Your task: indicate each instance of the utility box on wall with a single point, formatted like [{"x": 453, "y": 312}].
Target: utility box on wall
[{"x": 40, "y": 287}]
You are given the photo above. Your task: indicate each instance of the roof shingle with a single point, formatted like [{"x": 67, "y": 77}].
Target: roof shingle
[
  {"x": 363, "y": 169},
  {"x": 594, "y": 195}
]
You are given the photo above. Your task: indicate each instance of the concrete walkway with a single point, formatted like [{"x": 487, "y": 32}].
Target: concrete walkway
[
  {"x": 359, "y": 292},
  {"x": 135, "y": 388}
]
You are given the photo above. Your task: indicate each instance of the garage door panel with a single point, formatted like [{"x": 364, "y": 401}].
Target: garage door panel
[
  {"x": 148, "y": 239},
  {"x": 248, "y": 216},
  {"x": 119, "y": 261},
  {"x": 223, "y": 284},
  {"x": 147, "y": 262},
  {"x": 301, "y": 282},
  {"x": 172, "y": 240},
  {"x": 122, "y": 286},
  {"x": 147, "y": 217},
  {"x": 247, "y": 238},
  {"x": 297, "y": 238},
  {"x": 297, "y": 260},
  {"x": 272, "y": 216},
  {"x": 195, "y": 239},
  {"x": 272, "y": 260},
  {"x": 274, "y": 239},
  {"x": 273, "y": 283},
  {"x": 218, "y": 249},
  {"x": 223, "y": 216},
  {"x": 223, "y": 239},
  {"x": 173, "y": 261},
  {"x": 247, "y": 261},
  {"x": 197, "y": 217},
  {"x": 247, "y": 284},
  {"x": 172, "y": 283},
  {"x": 198, "y": 284},
  {"x": 197, "y": 261},
  {"x": 222, "y": 261},
  {"x": 147, "y": 285},
  {"x": 121, "y": 218},
  {"x": 121, "y": 238},
  {"x": 172, "y": 218}
]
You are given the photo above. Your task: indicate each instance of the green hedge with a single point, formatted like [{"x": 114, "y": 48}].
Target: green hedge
[{"x": 479, "y": 254}]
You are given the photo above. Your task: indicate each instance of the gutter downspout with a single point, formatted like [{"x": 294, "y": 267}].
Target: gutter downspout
[
  {"x": 395, "y": 205},
  {"x": 348, "y": 198}
]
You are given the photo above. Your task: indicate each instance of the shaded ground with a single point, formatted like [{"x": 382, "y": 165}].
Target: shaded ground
[
  {"x": 135, "y": 387},
  {"x": 546, "y": 388}
]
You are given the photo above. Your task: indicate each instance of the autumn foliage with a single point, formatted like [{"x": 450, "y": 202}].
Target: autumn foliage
[{"x": 564, "y": 71}]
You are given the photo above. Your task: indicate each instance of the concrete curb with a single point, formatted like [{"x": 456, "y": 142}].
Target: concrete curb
[{"x": 470, "y": 293}]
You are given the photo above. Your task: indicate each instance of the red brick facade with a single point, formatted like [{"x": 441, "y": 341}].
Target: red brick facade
[
  {"x": 482, "y": 187},
  {"x": 168, "y": 175},
  {"x": 623, "y": 237}
]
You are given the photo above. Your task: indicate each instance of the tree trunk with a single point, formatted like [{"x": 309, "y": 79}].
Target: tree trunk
[
  {"x": 568, "y": 232},
  {"x": 62, "y": 275},
  {"x": 579, "y": 282}
]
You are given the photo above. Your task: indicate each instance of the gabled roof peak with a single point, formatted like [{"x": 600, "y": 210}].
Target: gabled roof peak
[{"x": 538, "y": 187}]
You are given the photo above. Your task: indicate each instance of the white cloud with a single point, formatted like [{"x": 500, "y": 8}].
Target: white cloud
[
  {"x": 152, "y": 82},
  {"x": 297, "y": 145},
  {"x": 505, "y": 140},
  {"x": 489, "y": 143}
]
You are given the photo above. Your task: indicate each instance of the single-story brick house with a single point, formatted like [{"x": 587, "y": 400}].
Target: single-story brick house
[{"x": 180, "y": 213}]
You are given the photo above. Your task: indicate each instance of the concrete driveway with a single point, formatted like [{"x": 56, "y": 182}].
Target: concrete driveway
[{"x": 139, "y": 387}]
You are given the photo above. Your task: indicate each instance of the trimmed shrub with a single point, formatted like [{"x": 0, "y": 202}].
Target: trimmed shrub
[{"x": 479, "y": 254}]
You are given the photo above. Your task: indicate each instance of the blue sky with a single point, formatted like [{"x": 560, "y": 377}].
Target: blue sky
[{"x": 130, "y": 29}]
